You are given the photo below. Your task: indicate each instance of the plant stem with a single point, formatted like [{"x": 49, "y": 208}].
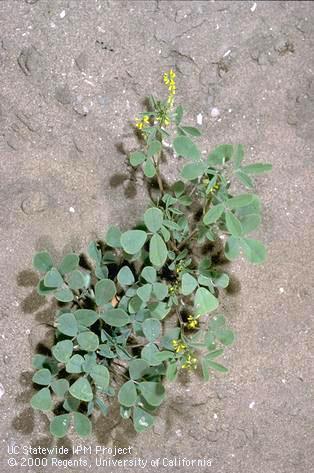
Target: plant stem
[{"x": 187, "y": 238}]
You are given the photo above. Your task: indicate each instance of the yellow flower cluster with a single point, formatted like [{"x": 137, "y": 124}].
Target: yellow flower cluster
[
  {"x": 169, "y": 80},
  {"x": 142, "y": 123},
  {"x": 173, "y": 289},
  {"x": 190, "y": 362},
  {"x": 192, "y": 322},
  {"x": 178, "y": 346},
  {"x": 215, "y": 187}
]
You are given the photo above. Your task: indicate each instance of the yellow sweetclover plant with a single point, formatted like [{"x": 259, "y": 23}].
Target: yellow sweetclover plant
[{"x": 110, "y": 335}]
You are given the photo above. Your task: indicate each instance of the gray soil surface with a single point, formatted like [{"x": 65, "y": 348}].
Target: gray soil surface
[{"x": 73, "y": 75}]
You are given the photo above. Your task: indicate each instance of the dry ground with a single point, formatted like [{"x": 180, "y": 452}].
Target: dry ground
[{"x": 73, "y": 74}]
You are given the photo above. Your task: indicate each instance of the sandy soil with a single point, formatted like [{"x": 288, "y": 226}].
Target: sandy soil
[{"x": 73, "y": 74}]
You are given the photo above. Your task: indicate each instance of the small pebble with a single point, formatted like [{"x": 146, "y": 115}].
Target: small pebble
[
  {"x": 252, "y": 404},
  {"x": 2, "y": 391},
  {"x": 199, "y": 119},
  {"x": 62, "y": 14},
  {"x": 72, "y": 210},
  {"x": 253, "y": 7},
  {"x": 215, "y": 112},
  {"x": 281, "y": 290}
]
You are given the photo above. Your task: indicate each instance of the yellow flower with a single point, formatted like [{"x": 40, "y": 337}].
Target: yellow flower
[
  {"x": 142, "y": 123},
  {"x": 190, "y": 362},
  {"x": 192, "y": 323},
  {"x": 178, "y": 346},
  {"x": 169, "y": 80}
]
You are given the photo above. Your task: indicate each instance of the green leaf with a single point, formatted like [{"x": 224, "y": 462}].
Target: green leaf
[
  {"x": 221, "y": 280},
  {"x": 64, "y": 295},
  {"x": 178, "y": 114},
  {"x": 185, "y": 147},
  {"x": 82, "y": 424},
  {"x": 257, "y": 168},
  {"x": 160, "y": 290},
  {"x": 100, "y": 376},
  {"x": 59, "y": 425},
  {"x": 62, "y": 351},
  {"x": 238, "y": 155},
  {"x": 188, "y": 284},
  {"x": 153, "y": 219},
  {"x": 69, "y": 263},
  {"x": 127, "y": 394},
  {"x": 42, "y": 400},
  {"x": 204, "y": 301},
  {"x": 86, "y": 317},
  {"x": 149, "y": 168},
  {"x": 38, "y": 361},
  {"x": 233, "y": 224},
  {"x": 191, "y": 130},
  {"x": 172, "y": 371},
  {"x": 204, "y": 369},
  {"x": 244, "y": 178},
  {"x": 75, "y": 364},
  {"x": 105, "y": 290},
  {"x": 116, "y": 317},
  {"x": 216, "y": 366},
  {"x": 253, "y": 250},
  {"x": 148, "y": 354},
  {"x": 225, "y": 336},
  {"x": 157, "y": 251},
  {"x": 125, "y": 412},
  {"x": 151, "y": 329},
  {"x": 76, "y": 280},
  {"x": 216, "y": 323},
  {"x": 232, "y": 248},
  {"x": 102, "y": 406},
  {"x": 135, "y": 304},
  {"x": 67, "y": 325},
  {"x": 60, "y": 387},
  {"x": 153, "y": 393},
  {"x": 53, "y": 278},
  {"x": 137, "y": 368},
  {"x": 144, "y": 292},
  {"x": 159, "y": 310},
  {"x": 193, "y": 171},
  {"x": 136, "y": 158},
  {"x": 81, "y": 389},
  {"x": 42, "y": 261},
  {"x": 154, "y": 148},
  {"x": 88, "y": 341},
  {"x": 250, "y": 223},
  {"x": 125, "y": 276},
  {"x": 240, "y": 201},
  {"x": 42, "y": 376},
  {"x": 164, "y": 356},
  {"x": 142, "y": 420},
  {"x": 133, "y": 240},
  {"x": 113, "y": 237},
  {"x": 94, "y": 252},
  {"x": 149, "y": 274},
  {"x": 71, "y": 404},
  {"x": 213, "y": 214},
  {"x": 89, "y": 361},
  {"x": 214, "y": 354},
  {"x": 219, "y": 155},
  {"x": 42, "y": 290}
]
